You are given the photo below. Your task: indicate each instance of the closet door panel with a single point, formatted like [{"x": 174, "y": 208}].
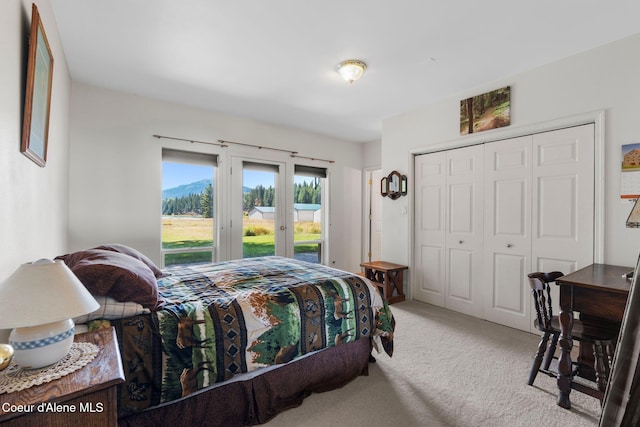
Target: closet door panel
[
  {"x": 507, "y": 232},
  {"x": 464, "y": 224},
  {"x": 557, "y": 208},
  {"x": 507, "y": 297},
  {"x": 563, "y": 177},
  {"x": 564, "y": 196},
  {"x": 431, "y": 275},
  {"x": 429, "y": 249},
  {"x": 461, "y": 208},
  {"x": 509, "y": 206},
  {"x": 460, "y": 274}
]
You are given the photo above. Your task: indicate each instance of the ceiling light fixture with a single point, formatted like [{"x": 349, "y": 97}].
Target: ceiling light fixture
[{"x": 351, "y": 69}]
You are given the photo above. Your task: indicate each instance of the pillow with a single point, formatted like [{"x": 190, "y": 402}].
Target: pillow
[
  {"x": 112, "y": 309},
  {"x": 116, "y": 247},
  {"x": 116, "y": 275}
]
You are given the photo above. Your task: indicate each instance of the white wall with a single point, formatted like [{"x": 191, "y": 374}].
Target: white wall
[
  {"x": 372, "y": 153},
  {"x": 34, "y": 215},
  {"x": 115, "y": 189},
  {"x": 605, "y": 78}
]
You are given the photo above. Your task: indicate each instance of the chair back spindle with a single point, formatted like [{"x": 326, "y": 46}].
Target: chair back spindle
[{"x": 541, "y": 292}]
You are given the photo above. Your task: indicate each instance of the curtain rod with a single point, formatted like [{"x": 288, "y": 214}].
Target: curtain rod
[
  {"x": 291, "y": 153},
  {"x": 189, "y": 140},
  {"x": 224, "y": 144}
]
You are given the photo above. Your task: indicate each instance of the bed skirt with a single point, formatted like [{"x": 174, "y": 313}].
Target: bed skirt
[{"x": 256, "y": 401}]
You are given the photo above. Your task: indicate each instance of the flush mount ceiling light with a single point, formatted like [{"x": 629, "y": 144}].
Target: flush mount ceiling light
[{"x": 351, "y": 69}]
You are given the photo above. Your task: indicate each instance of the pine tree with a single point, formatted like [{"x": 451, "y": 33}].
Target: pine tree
[{"x": 206, "y": 202}]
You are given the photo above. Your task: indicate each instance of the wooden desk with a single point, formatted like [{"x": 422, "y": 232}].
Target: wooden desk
[
  {"x": 389, "y": 276},
  {"x": 598, "y": 292}
]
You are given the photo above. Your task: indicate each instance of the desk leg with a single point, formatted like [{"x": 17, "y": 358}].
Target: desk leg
[{"x": 564, "y": 364}]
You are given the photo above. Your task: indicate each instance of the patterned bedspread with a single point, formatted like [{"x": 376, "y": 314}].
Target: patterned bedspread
[{"x": 234, "y": 317}]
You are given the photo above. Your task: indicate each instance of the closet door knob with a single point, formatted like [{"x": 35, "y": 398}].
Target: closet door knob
[
  {"x": 509, "y": 245},
  {"x": 460, "y": 242}
]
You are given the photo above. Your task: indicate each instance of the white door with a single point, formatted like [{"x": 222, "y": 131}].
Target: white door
[
  {"x": 429, "y": 247},
  {"x": 373, "y": 239},
  {"x": 539, "y": 196},
  {"x": 464, "y": 223},
  {"x": 563, "y": 216},
  {"x": 258, "y": 211},
  {"x": 507, "y": 232}
]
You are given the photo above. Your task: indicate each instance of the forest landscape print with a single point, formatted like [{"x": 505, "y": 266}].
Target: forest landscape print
[{"x": 490, "y": 110}]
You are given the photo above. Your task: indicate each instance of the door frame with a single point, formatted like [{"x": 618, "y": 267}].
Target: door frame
[{"x": 595, "y": 117}]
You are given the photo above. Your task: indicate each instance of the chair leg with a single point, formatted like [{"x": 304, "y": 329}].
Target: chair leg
[
  {"x": 550, "y": 352},
  {"x": 537, "y": 361},
  {"x": 601, "y": 366}
]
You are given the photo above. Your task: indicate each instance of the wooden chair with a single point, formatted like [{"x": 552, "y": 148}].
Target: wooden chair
[{"x": 601, "y": 337}]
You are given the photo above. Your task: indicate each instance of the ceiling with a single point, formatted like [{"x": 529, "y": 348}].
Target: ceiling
[{"x": 275, "y": 60}]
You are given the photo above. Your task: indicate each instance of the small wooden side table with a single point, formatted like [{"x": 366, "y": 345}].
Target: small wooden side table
[
  {"x": 389, "y": 275},
  {"x": 86, "y": 397}
]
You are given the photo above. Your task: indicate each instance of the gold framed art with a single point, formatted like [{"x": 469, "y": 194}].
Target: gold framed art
[{"x": 37, "y": 101}]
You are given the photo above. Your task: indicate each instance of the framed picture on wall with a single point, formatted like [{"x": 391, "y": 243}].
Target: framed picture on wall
[
  {"x": 37, "y": 101},
  {"x": 490, "y": 110}
]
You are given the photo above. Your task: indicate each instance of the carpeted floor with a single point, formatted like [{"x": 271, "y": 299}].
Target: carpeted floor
[{"x": 448, "y": 369}]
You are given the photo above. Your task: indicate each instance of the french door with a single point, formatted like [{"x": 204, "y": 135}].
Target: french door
[{"x": 258, "y": 211}]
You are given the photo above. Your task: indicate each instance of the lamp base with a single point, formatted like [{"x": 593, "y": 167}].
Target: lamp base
[{"x": 38, "y": 346}]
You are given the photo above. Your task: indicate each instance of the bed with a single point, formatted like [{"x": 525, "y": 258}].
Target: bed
[{"x": 230, "y": 343}]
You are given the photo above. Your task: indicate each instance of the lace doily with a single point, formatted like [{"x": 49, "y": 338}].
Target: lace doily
[{"x": 14, "y": 378}]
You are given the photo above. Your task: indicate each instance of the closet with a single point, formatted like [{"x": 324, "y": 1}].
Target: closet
[{"x": 488, "y": 214}]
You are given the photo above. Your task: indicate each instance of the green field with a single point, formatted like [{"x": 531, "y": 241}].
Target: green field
[{"x": 192, "y": 232}]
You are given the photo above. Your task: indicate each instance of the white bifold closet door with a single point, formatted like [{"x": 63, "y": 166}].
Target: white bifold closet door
[
  {"x": 487, "y": 215},
  {"x": 449, "y": 229},
  {"x": 539, "y": 198}
]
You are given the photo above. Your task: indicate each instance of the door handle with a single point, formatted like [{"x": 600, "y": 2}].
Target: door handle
[
  {"x": 282, "y": 227},
  {"x": 509, "y": 245}
]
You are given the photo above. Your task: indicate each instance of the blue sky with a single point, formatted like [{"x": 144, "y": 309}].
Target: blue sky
[{"x": 175, "y": 174}]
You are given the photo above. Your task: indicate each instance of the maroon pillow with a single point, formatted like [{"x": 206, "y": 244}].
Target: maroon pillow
[
  {"x": 115, "y": 275},
  {"x": 117, "y": 247}
]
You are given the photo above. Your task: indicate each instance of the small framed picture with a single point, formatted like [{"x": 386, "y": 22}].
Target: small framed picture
[{"x": 37, "y": 101}]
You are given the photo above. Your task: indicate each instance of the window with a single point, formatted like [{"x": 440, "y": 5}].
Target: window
[
  {"x": 308, "y": 213},
  {"x": 188, "y": 207}
]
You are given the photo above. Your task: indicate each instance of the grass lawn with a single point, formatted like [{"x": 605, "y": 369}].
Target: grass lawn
[
  {"x": 193, "y": 232},
  {"x": 186, "y": 232}
]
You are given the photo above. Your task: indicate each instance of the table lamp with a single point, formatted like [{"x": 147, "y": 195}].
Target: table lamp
[{"x": 39, "y": 300}]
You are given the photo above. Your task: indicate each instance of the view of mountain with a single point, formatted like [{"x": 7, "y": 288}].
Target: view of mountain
[
  {"x": 193, "y": 188},
  {"x": 186, "y": 189}
]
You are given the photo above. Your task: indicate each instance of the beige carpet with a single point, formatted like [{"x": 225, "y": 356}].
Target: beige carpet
[{"x": 448, "y": 369}]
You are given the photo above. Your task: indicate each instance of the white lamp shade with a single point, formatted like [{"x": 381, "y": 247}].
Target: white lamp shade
[{"x": 43, "y": 292}]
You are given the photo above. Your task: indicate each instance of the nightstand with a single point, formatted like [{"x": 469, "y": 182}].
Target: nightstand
[{"x": 86, "y": 397}]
